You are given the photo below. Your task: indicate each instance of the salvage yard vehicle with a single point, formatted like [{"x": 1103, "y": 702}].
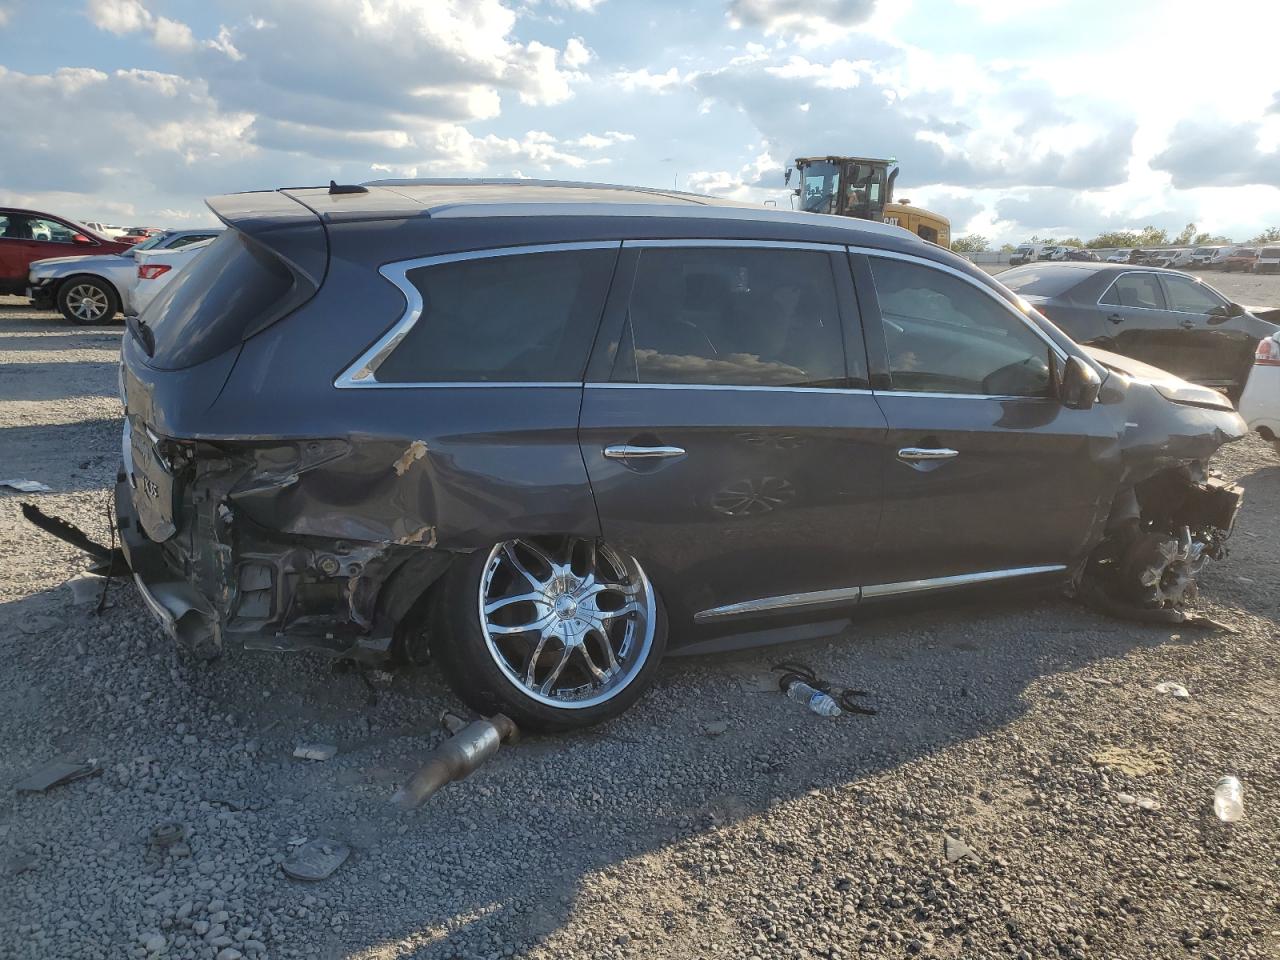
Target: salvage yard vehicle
[
  {"x": 1268, "y": 260},
  {"x": 1260, "y": 402},
  {"x": 1162, "y": 317},
  {"x": 546, "y": 432},
  {"x": 29, "y": 235},
  {"x": 86, "y": 288},
  {"x": 155, "y": 269},
  {"x": 1240, "y": 258}
]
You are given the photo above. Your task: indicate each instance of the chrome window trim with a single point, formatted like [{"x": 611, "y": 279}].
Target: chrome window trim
[
  {"x": 792, "y": 601},
  {"x": 362, "y": 372},
  {"x": 1166, "y": 308},
  {"x": 946, "y": 268},
  {"x": 763, "y": 244}
]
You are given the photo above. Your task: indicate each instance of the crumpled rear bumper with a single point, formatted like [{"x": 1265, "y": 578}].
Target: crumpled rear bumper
[{"x": 186, "y": 615}]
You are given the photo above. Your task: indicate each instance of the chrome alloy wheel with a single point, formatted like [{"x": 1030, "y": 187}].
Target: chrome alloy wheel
[
  {"x": 87, "y": 302},
  {"x": 569, "y": 623}
]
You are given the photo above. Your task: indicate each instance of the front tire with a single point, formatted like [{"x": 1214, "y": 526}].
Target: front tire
[
  {"x": 557, "y": 633},
  {"x": 86, "y": 300}
]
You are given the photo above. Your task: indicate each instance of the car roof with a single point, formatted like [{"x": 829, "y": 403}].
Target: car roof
[
  {"x": 1096, "y": 267},
  {"x": 490, "y": 198}
]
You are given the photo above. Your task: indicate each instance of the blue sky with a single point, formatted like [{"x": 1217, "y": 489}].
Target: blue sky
[{"x": 1058, "y": 117}]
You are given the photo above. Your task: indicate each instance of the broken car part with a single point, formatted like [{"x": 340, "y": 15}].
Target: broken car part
[
  {"x": 57, "y": 772},
  {"x": 456, "y": 758},
  {"x": 315, "y": 859},
  {"x": 109, "y": 561},
  {"x": 561, "y": 417}
]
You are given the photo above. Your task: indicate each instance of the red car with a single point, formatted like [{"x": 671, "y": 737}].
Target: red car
[{"x": 28, "y": 235}]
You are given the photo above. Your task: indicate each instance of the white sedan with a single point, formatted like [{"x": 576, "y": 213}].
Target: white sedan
[
  {"x": 156, "y": 268},
  {"x": 1260, "y": 401}
]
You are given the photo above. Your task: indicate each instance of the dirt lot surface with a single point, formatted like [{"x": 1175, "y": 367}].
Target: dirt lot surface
[{"x": 1023, "y": 727}]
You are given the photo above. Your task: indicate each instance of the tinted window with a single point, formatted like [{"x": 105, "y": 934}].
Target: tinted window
[
  {"x": 946, "y": 336},
  {"x": 520, "y": 318},
  {"x": 1270, "y": 253},
  {"x": 1038, "y": 282},
  {"x": 1188, "y": 296},
  {"x": 229, "y": 290},
  {"x": 734, "y": 316},
  {"x": 186, "y": 241},
  {"x": 1135, "y": 290}
]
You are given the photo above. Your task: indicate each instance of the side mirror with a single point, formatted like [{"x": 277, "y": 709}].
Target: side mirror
[
  {"x": 1235, "y": 310},
  {"x": 1080, "y": 384},
  {"x": 81, "y": 240}
]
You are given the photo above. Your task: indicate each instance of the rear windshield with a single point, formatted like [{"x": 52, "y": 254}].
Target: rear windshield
[
  {"x": 1040, "y": 283},
  {"x": 234, "y": 287}
]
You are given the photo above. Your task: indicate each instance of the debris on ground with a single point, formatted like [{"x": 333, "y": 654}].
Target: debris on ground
[
  {"x": 315, "y": 859},
  {"x": 1175, "y": 689},
  {"x": 1143, "y": 803},
  {"x": 85, "y": 588},
  {"x": 56, "y": 773},
  {"x": 164, "y": 835},
  {"x": 1134, "y": 761},
  {"x": 315, "y": 751},
  {"x": 715, "y": 728},
  {"x": 955, "y": 849},
  {"x": 801, "y": 682},
  {"x": 26, "y": 486},
  {"x": 1228, "y": 800},
  {"x": 456, "y": 759}
]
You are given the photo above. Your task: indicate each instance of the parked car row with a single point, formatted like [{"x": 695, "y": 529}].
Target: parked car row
[
  {"x": 123, "y": 234},
  {"x": 86, "y": 275}
]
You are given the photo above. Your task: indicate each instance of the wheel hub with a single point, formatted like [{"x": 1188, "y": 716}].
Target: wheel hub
[{"x": 570, "y": 625}]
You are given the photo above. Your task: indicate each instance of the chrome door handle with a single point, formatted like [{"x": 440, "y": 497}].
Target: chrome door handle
[
  {"x": 625, "y": 451},
  {"x": 1187, "y": 324},
  {"x": 927, "y": 453}
]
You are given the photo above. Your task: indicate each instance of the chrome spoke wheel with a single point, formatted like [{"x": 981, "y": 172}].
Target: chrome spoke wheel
[
  {"x": 87, "y": 302},
  {"x": 570, "y": 622}
]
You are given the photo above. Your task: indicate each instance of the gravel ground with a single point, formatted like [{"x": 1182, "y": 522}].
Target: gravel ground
[{"x": 787, "y": 835}]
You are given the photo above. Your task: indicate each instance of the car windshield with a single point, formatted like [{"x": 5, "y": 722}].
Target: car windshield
[
  {"x": 820, "y": 188},
  {"x": 150, "y": 242},
  {"x": 1270, "y": 253},
  {"x": 1037, "y": 282},
  {"x": 1204, "y": 251}
]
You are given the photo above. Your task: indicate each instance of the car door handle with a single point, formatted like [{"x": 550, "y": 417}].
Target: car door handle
[
  {"x": 914, "y": 454},
  {"x": 626, "y": 451},
  {"x": 1115, "y": 318},
  {"x": 1187, "y": 324}
]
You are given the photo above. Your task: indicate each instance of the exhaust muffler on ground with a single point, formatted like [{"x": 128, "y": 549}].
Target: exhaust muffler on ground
[{"x": 456, "y": 759}]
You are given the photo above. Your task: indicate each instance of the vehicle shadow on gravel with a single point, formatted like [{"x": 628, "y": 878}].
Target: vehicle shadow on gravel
[{"x": 500, "y": 859}]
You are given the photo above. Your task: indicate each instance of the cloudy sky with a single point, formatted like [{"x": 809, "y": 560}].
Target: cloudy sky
[{"x": 1013, "y": 118}]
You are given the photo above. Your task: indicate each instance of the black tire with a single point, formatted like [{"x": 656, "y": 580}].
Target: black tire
[
  {"x": 74, "y": 293},
  {"x": 460, "y": 647}
]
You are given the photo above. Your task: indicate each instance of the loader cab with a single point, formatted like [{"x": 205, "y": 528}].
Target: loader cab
[{"x": 845, "y": 186}]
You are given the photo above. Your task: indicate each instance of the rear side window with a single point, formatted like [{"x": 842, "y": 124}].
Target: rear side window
[
  {"x": 515, "y": 319},
  {"x": 229, "y": 290},
  {"x": 946, "y": 336},
  {"x": 733, "y": 316},
  {"x": 1135, "y": 290},
  {"x": 1038, "y": 282},
  {"x": 1190, "y": 296}
]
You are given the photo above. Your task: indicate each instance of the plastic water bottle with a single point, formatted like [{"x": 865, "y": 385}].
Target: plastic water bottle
[
  {"x": 816, "y": 700},
  {"x": 1228, "y": 800}
]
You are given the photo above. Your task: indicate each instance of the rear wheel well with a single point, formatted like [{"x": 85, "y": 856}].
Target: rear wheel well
[{"x": 1267, "y": 434}]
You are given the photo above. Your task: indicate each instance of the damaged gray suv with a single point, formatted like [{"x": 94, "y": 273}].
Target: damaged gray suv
[{"x": 548, "y": 432}]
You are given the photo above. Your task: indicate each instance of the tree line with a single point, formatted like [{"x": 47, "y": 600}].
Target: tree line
[{"x": 1146, "y": 237}]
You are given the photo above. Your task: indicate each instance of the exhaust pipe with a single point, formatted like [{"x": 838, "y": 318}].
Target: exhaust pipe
[{"x": 456, "y": 759}]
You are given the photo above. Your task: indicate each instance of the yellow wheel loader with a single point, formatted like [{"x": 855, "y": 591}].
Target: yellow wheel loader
[{"x": 863, "y": 187}]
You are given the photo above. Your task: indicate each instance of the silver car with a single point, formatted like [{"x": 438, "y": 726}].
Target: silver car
[{"x": 93, "y": 289}]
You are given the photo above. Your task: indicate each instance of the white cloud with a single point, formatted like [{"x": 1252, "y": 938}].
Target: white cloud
[
  {"x": 581, "y": 6},
  {"x": 119, "y": 16},
  {"x": 576, "y": 53},
  {"x": 642, "y": 79},
  {"x": 598, "y": 142},
  {"x": 814, "y": 22},
  {"x": 172, "y": 34}
]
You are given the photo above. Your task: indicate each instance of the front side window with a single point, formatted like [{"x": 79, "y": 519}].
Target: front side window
[
  {"x": 1135, "y": 290},
  {"x": 733, "y": 316},
  {"x": 51, "y": 231},
  {"x": 513, "y": 319},
  {"x": 1188, "y": 296},
  {"x": 944, "y": 335}
]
